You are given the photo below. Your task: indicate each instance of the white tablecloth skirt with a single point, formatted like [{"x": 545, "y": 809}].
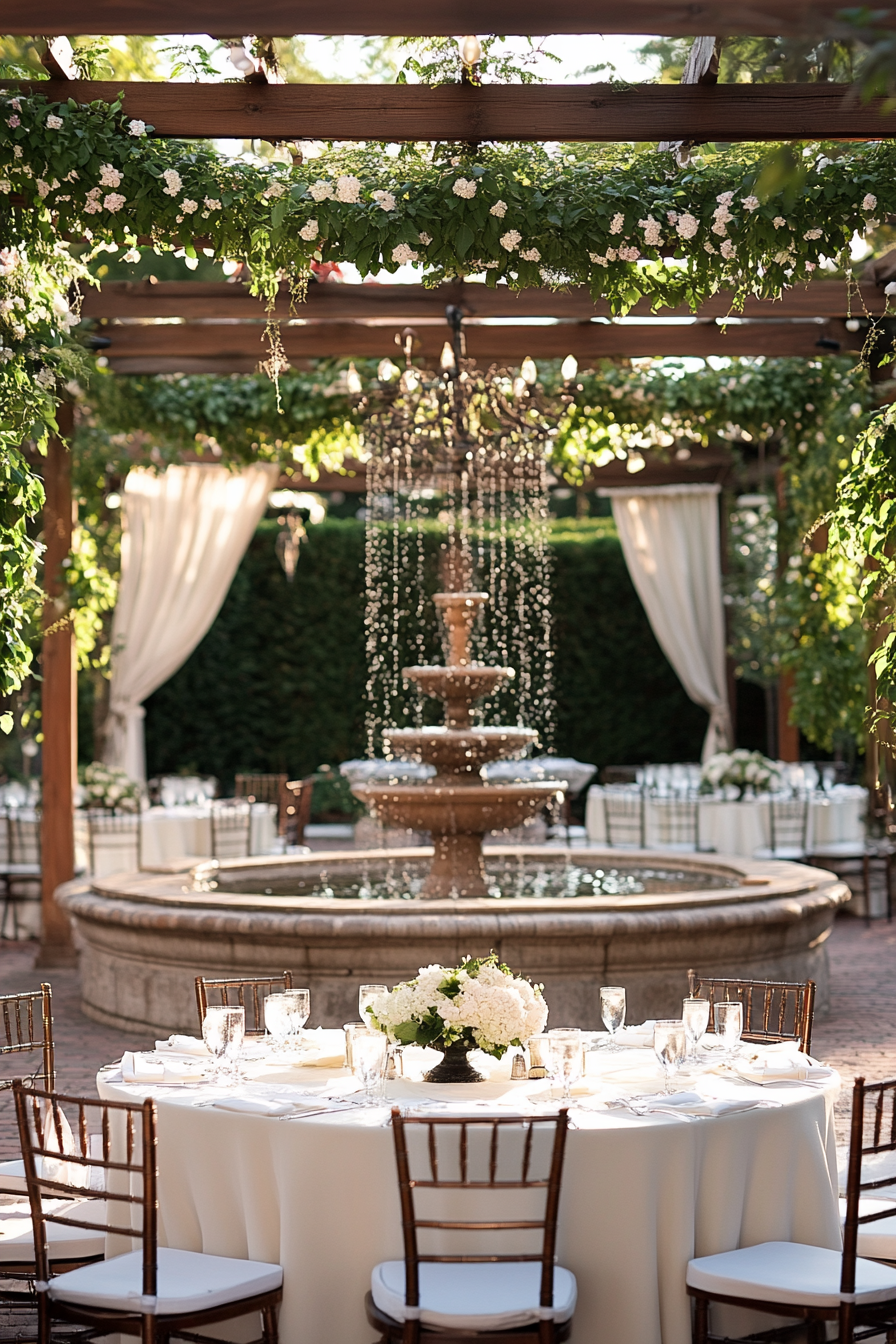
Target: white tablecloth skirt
[
  {"x": 730, "y": 827},
  {"x": 170, "y": 833}
]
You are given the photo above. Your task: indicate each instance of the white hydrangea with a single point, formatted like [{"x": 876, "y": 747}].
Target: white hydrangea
[
  {"x": 109, "y": 176},
  {"x": 811, "y": 234},
  {"x": 629, "y": 254},
  {"x": 597, "y": 259},
  {"x": 499, "y": 209},
  {"x": 751, "y": 203},
  {"x": 653, "y": 233},
  {"x": 686, "y": 225},
  {"x": 92, "y": 204},
  {"x": 869, "y": 203},
  {"x": 779, "y": 222},
  {"x": 728, "y": 250},
  {"x": 403, "y": 253},
  {"x": 321, "y": 190},
  {"x": 173, "y": 183},
  {"x": 274, "y": 191},
  {"x": 136, "y": 127},
  {"x": 54, "y": 123},
  {"x": 189, "y": 207},
  {"x": 45, "y": 378},
  {"x": 425, "y": 239},
  {"x": 530, "y": 254},
  {"x": 465, "y": 187},
  {"x": 617, "y": 223},
  {"x": 511, "y": 240},
  {"x": 114, "y": 201},
  {"x": 211, "y": 203},
  {"x": 348, "y": 189},
  {"x": 384, "y": 199},
  {"x": 310, "y": 231},
  {"x": 43, "y": 188}
]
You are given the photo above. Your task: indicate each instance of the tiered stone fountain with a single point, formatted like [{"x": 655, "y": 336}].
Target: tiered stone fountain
[{"x": 457, "y": 806}]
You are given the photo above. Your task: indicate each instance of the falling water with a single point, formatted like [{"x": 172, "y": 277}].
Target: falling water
[{"x": 457, "y": 498}]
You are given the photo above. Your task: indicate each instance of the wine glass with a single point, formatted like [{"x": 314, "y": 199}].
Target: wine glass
[
  {"x": 695, "y": 1015},
  {"x": 670, "y": 1047},
  {"x": 369, "y": 1060},
  {"x": 366, "y": 996},
  {"x": 729, "y": 1022},
  {"x": 214, "y": 1037},
  {"x": 612, "y": 1011},
  {"x": 223, "y": 1030},
  {"x": 565, "y": 1054},
  {"x": 234, "y": 1035},
  {"x": 298, "y": 1012},
  {"x": 277, "y": 1020}
]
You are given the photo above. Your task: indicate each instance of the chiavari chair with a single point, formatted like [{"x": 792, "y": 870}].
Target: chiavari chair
[
  {"x": 27, "y": 1029},
  {"x": 813, "y": 1283},
  {"x": 774, "y": 1010},
  {"x": 788, "y": 823},
  {"x": 515, "y": 1296},
  {"x": 677, "y": 822},
  {"x": 119, "y": 835},
  {"x": 157, "y": 1293},
  {"x": 21, "y": 862},
  {"x": 247, "y": 992},
  {"x": 624, "y": 818},
  {"x": 231, "y": 824},
  {"x": 298, "y": 810},
  {"x": 266, "y": 789}
]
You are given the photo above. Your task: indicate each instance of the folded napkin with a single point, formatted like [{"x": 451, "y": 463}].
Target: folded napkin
[
  {"x": 637, "y": 1035},
  {"x": 253, "y": 1106},
  {"x": 691, "y": 1103},
  {"x": 137, "y": 1068},
  {"x": 583, "y": 1088},
  {"x": 757, "y": 1072},
  {"x": 184, "y": 1045}
]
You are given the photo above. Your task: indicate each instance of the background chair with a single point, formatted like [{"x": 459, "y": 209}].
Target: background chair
[
  {"x": 20, "y": 865},
  {"x": 811, "y": 1282},
  {"x": 624, "y": 817},
  {"x": 266, "y": 789},
  {"x": 248, "y": 992},
  {"x": 515, "y": 1296},
  {"x": 27, "y": 1029},
  {"x": 114, "y": 841},
  {"x": 619, "y": 774},
  {"x": 299, "y": 809},
  {"x": 677, "y": 822},
  {"x": 151, "y": 1292},
  {"x": 846, "y": 858},
  {"x": 231, "y": 824},
  {"x": 774, "y": 1010},
  {"x": 788, "y": 821}
]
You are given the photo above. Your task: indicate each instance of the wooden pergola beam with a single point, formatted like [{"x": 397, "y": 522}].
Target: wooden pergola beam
[
  {"x": 548, "y": 112},
  {"x": 680, "y": 18},
  {"x": 193, "y": 347},
  {"x": 140, "y": 299}
]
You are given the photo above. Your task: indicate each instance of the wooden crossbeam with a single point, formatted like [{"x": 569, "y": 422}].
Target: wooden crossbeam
[
  {"x": 408, "y": 303},
  {"x": 677, "y": 18},
  {"x": 191, "y": 347},
  {"x": 546, "y": 112}
]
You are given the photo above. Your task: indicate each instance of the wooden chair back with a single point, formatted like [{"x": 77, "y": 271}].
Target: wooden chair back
[
  {"x": 266, "y": 789},
  {"x": 464, "y": 1174},
  {"x": 872, "y": 1131},
  {"x": 299, "y": 808},
  {"x": 788, "y": 820},
  {"x": 677, "y": 821},
  {"x": 121, "y": 832},
  {"x": 624, "y": 816},
  {"x": 247, "y": 992},
  {"x": 27, "y": 1028},
  {"x": 231, "y": 823},
  {"x": 24, "y": 838},
  {"x": 774, "y": 1010}
]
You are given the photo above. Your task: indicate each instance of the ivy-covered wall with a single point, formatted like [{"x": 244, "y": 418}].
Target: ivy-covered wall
[{"x": 278, "y": 682}]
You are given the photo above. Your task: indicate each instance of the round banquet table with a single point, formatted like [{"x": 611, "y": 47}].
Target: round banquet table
[
  {"x": 170, "y": 833},
  {"x": 641, "y": 1194}
]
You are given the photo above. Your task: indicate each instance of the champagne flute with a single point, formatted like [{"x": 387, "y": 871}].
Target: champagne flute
[
  {"x": 276, "y": 1020},
  {"x": 729, "y": 1022},
  {"x": 695, "y": 1015},
  {"x": 298, "y": 1012},
  {"x": 366, "y": 996},
  {"x": 565, "y": 1051},
  {"x": 214, "y": 1037},
  {"x": 670, "y": 1047},
  {"x": 234, "y": 1035},
  {"x": 369, "y": 1061},
  {"x": 612, "y": 1011}
]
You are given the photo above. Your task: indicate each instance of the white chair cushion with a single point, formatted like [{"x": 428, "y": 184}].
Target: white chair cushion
[
  {"x": 188, "y": 1281},
  {"x": 839, "y": 849},
  {"x": 787, "y": 1271},
  {"x": 12, "y": 1177},
  {"x": 64, "y": 1243},
  {"x": 876, "y": 1240},
  {"x": 501, "y": 1296},
  {"x": 792, "y": 852}
]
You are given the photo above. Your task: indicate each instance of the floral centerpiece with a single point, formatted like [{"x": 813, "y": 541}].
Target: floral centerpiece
[
  {"x": 480, "y": 1004},
  {"x": 106, "y": 786},
  {"x": 741, "y": 768}
]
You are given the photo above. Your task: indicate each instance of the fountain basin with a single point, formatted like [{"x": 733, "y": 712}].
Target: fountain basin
[
  {"x": 144, "y": 936},
  {"x": 458, "y": 749}
]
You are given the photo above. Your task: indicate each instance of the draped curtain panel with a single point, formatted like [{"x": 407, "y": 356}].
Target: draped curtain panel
[
  {"x": 670, "y": 540},
  {"x": 185, "y": 531}
]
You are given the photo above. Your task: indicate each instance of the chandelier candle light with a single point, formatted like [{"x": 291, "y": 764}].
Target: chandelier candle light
[{"x": 479, "y": 1005}]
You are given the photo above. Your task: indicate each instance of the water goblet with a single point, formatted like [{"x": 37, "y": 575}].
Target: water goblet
[
  {"x": 612, "y": 1011},
  {"x": 298, "y": 1012},
  {"x": 366, "y": 996},
  {"x": 277, "y": 1020},
  {"x": 565, "y": 1054},
  {"x": 729, "y": 1023},
  {"x": 369, "y": 1049},
  {"x": 695, "y": 1015},
  {"x": 215, "y": 1039},
  {"x": 234, "y": 1035},
  {"x": 670, "y": 1047}
]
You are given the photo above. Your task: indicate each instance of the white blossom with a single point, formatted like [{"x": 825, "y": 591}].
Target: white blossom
[
  {"x": 54, "y": 123},
  {"x": 611, "y": 254},
  {"x": 384, "y": 199},
  {"x": 779, "y": 222},
  {"x": 653, "y": 234},
  {"x": 310, "y": 231},
  {"x": 189, "y": 207},
  {"x": 17, "y": 151},
  {"x": 6, "y": 354},
  {"x": 751, "y": 203},
  {"x": 321, "y": 190},
  {"x": 869, "y": 203},
  {"x": 92, "y": 204},
  {"x": 672, "y": 216},
  {"x": 499, "y": 209},
  {"x": 728, "y": 250},
  {"x": 403, "y": 253},
  {"x": 136, "y": 127},
  {"x": 71, "y": 177},
  {"x": 725, "y": 198},
  {"x": 616, "y": 223},
  {"x": 687, "y": 225},
  {"x": 629, "y": 254},
  {"x": 109, "y": 176},
  {"x": 811, "y": 234},
  {"x": 273, "y": 191},
  {"x": 5, "y": 187},
  {"x": 708, "y": 247},
  {"x": 530, "y": 254},
  {"x": 465, "y": 187},
  {"x": 173, "y": 183},
  {"x": 211, "y": 203},
  {"x": 45, "y": 378},
  {"x": 511, "y": 240},
  {"x": 348, "y": 189},
  {"x": 424, "y": 238},
  {"x": 114, "y": 201},
  {"x": 43, "y": 188},
  {"x": 597, "y": 259},
  {"x": 132, "y": 255}
]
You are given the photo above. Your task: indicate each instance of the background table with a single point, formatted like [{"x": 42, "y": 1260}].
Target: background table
[
  {"x": 640, "y": 1197},
  {"x": 174, "y": 833},
  {"x": 742, "y": 827}
]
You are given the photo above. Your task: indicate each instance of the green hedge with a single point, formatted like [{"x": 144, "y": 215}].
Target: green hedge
[{"x": 278, "y": 682}]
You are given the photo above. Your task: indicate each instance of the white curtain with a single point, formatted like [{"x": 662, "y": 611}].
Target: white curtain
[
  {"x": 670, "y": 540},
  {"x": 185, "y": 531}
]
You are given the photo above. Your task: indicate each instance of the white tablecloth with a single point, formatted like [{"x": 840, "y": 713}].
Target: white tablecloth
[
  {"x": 173, "y": 833},
  {"x": 732, "y": 827},
  {"x": 641, "y": 1195}
]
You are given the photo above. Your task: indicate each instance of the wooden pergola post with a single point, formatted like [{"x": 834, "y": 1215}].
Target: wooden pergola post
[{"x": 58, "y": 705}]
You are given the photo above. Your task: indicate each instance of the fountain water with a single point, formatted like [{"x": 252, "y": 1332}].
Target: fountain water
[{"x": 457, "y": 807}]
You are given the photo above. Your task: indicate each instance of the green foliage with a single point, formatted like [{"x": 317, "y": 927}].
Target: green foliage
[
  {"x": 438, "y": 60},
  {"x": 761, "y": 60},
  {"x": 278, "y": 683}
]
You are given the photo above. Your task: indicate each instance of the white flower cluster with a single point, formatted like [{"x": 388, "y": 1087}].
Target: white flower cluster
[
  {"x": 403, "y": 253},
  {"x": 530, "y": 254},
  {"x": 348, "y": 189},
  {"x": 493, "y": 1008},
  {"x": 310, "y": 231},
  {"x": 653, "y": 233},
  {"x": 751, "y": 203},
  {"x": 869, "y": 203},
  {"x": 54, "y": 123},
  {"x": 511, "y": 240},
  {"x": 499, "y": 209},
  {"x": 275, "y": 190},
  {"x": 722, "y": 215},
  {"x": 106, "y": 786},
  {"x": 384, "y": 199},
  {"x": 617, "y": 223},
  {"x": 173, "y": 183},
  {"x": 136, "y": 127},
  {"x": 109, "y": 176},
  {"x": 740, "y": 768},
  {"x": 321, "y": 190},
  {"x": 465, "y": 187},
  {"x": 686, "y": 225}
]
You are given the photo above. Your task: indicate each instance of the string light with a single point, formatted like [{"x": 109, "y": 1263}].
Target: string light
[
  {"x": 529, "y": 370},
  {"x": 353, "y": 380},
  {"x": 569, "y": 368},
  {"x": 470, "y": 49}
]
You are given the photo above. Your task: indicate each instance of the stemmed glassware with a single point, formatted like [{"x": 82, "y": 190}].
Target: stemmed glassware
[
  {"x": 369, "y": 1048},
  {"x": 298, "y": 1012},
  {"x": 612, "y": 1011},
  {"x": 729, "y": 1023},
  {"x": 670, "y": 1047},
  {"x": 565, "y": 1056},
  {"x": 366, "y": 996},
  {"x": 223, "y": 1030},
  {"x": 695, "y": 1015},
  {"x": 277, "y": 1020}
]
